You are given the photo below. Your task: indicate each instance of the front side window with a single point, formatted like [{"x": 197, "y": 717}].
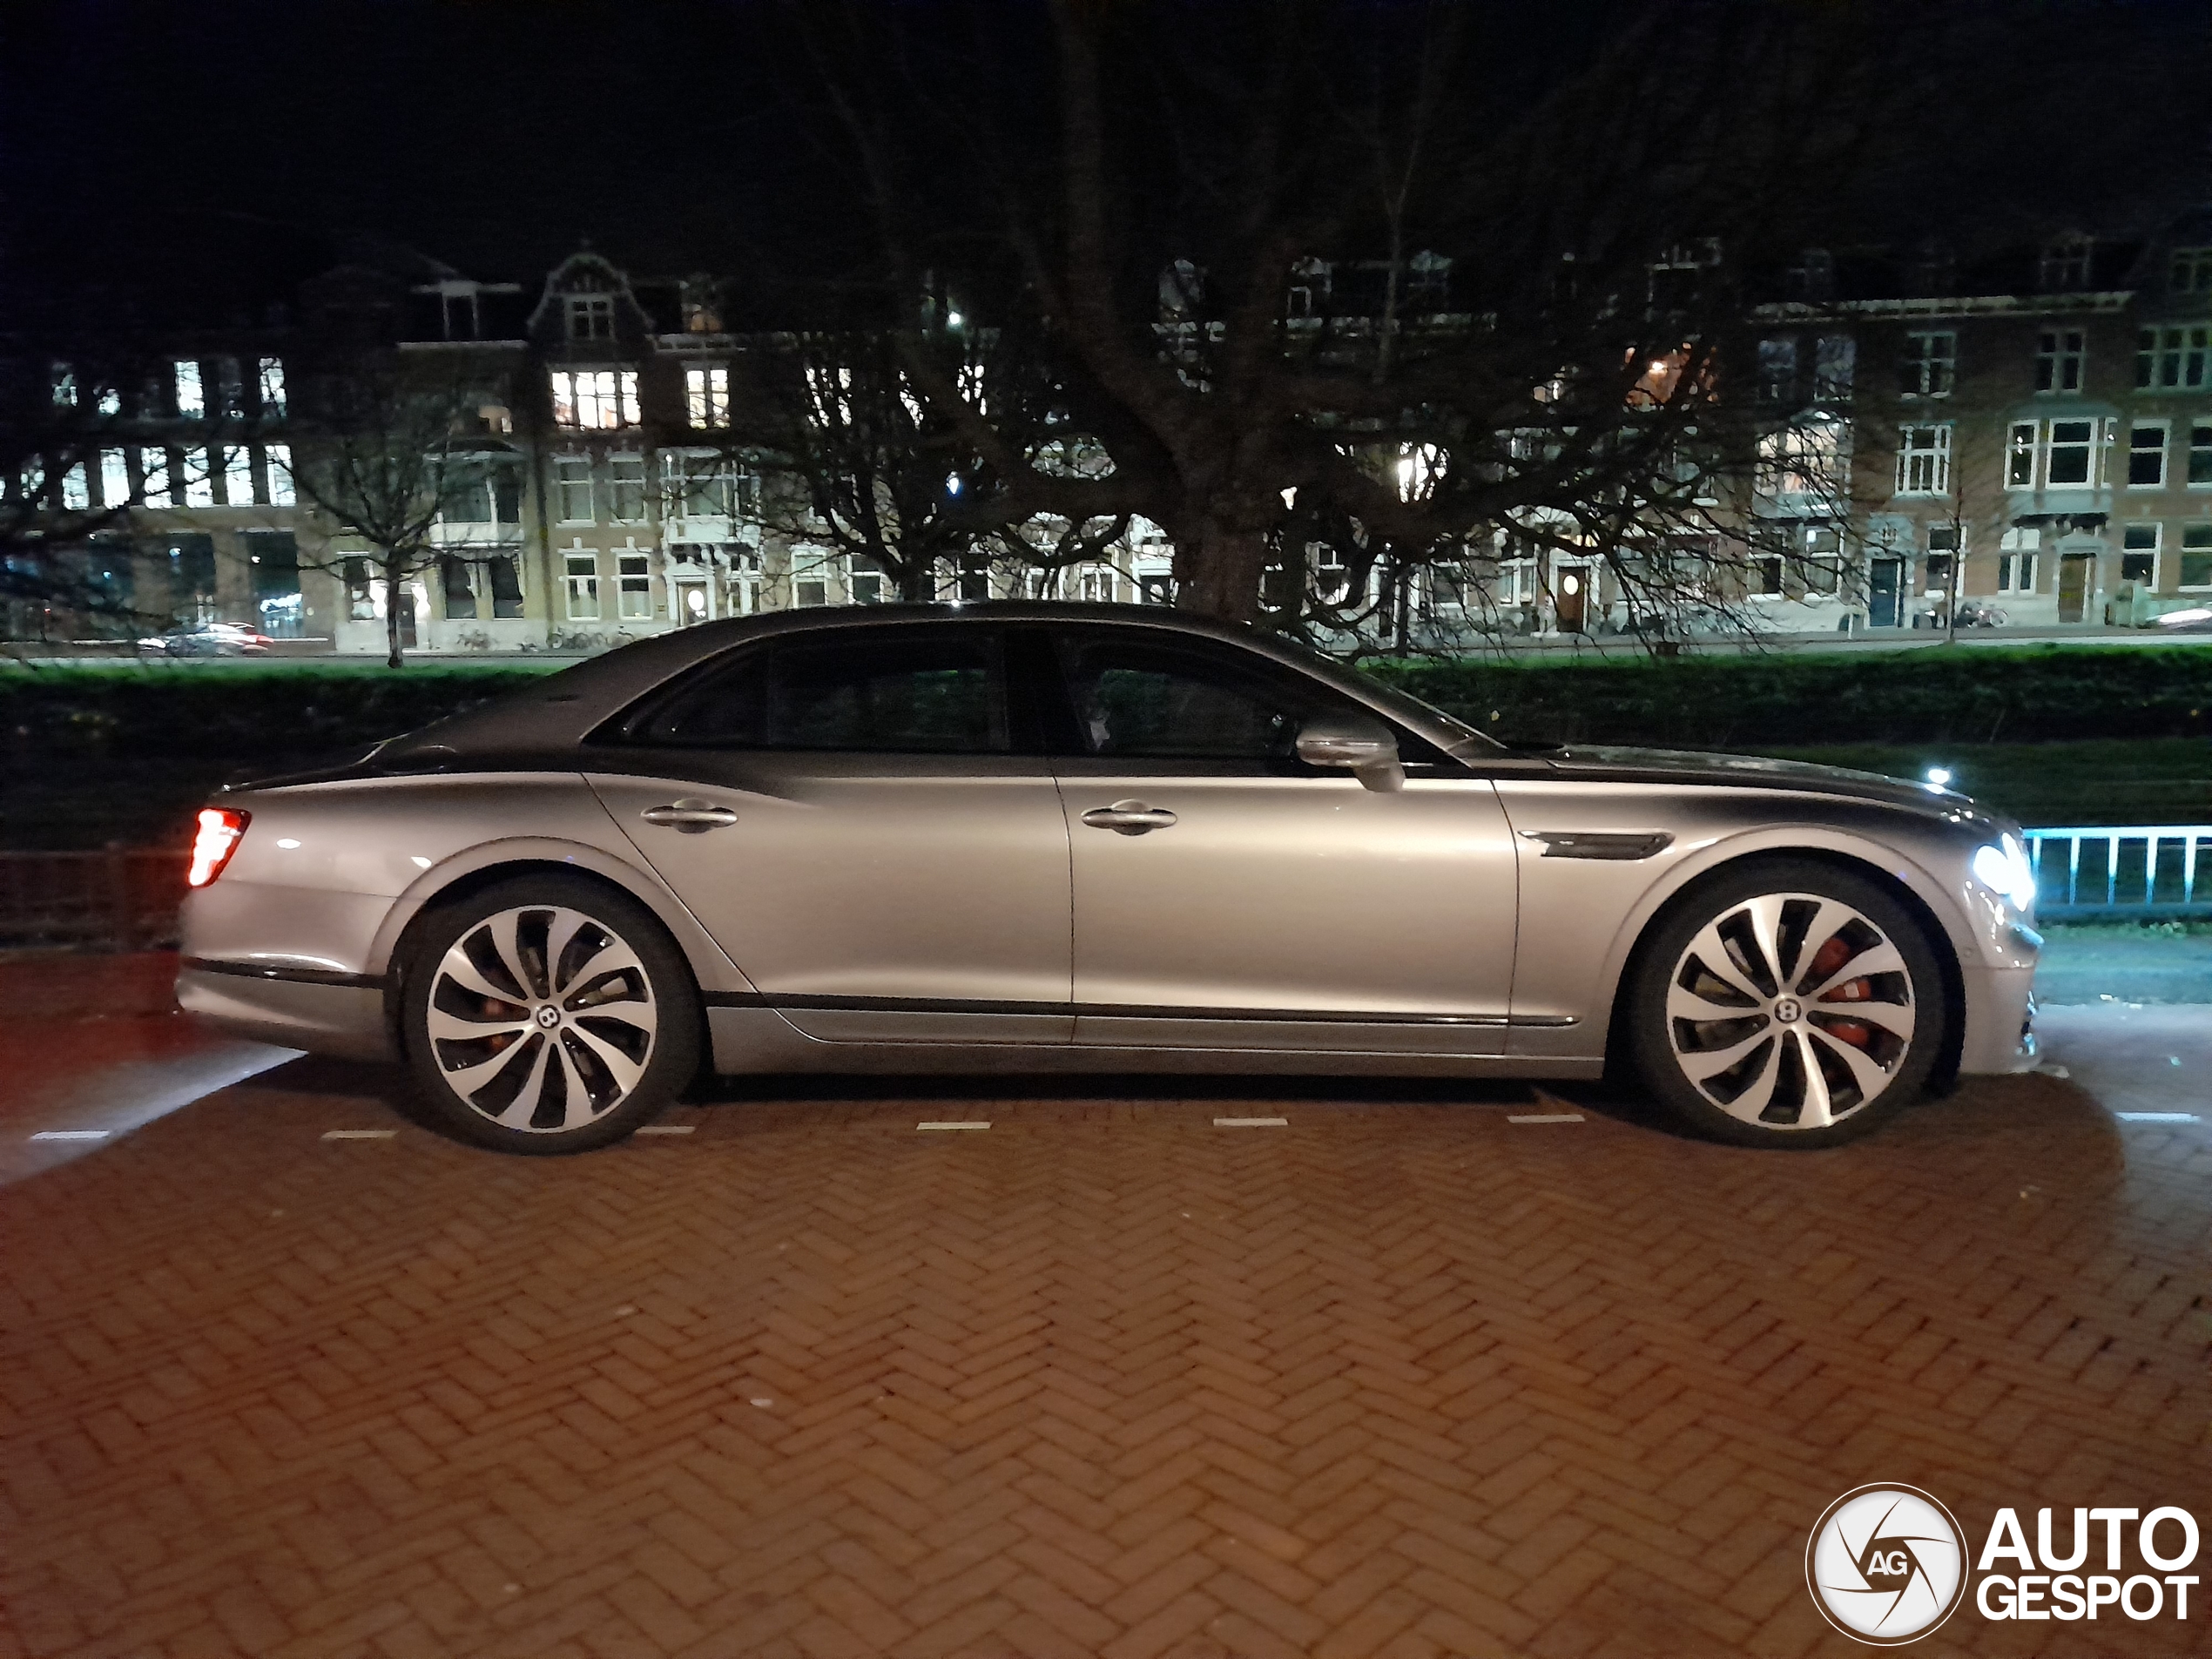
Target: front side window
[
  {"x": 596, "y": 400},
  {"x": 1156, "y": 697},
  {"x": 2147, "y": 455},
  {"x": 2058, "y": 360},
  {"x": 1930, "y": 364},
  {"x": 902, "y": 690}
]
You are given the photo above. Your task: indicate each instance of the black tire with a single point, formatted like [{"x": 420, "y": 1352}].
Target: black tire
[
  {"x": 1868, "y": 1070},
  {"x": 605, "y": 1037}
]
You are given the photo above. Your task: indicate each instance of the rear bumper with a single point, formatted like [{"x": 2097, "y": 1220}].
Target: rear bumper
[
  {"x": 2001, "y": 1020},
  {"x": 330, "y": 1014}
]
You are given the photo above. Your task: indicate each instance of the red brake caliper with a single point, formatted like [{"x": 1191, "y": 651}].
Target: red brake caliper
[{"x": 1830, "y": 957}]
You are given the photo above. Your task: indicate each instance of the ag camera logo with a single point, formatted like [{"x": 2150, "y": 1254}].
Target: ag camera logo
[{"x": 1886, "y": 1564}]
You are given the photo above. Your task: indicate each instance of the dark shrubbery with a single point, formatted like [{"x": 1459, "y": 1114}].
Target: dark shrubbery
[{"x": 1978, "y": 694}]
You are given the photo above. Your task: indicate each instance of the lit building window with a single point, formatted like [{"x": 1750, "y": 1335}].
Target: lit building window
[
  {"x": 706, "y": 396},
  {"x": 596, "y": 399},
  {"x": 64, "y": 386},
  {"x": 634, "y": 574},
  {"x": 154, "y": 488},
  {"x": 115, "y": 478},
  {"x": 272, "y": 386},
  {"x": 584, "y": 586},
  {"x": 190, "y": 399},
  {"x": 1923, "y": 460},
  {"x": 279, "y": 456},
  {"x": 238, "y": 477},
  {"x": 77, "y": 494},
  {"x": 199, "y": 479}
]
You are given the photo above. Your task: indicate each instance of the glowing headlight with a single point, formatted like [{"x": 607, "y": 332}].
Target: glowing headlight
[{"x": 2003, "y": 869}]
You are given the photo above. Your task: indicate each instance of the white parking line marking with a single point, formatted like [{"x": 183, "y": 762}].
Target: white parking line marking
[
  {"x": 952, "y": 1126},
  {"x": 668, "y": 1129},
  {"x": 71, "y": 1135},
  {"x": 2156, "y": 1117},
  {"x": 358, "y": 1134},
  {"x": 1544, "y": 1117},
  {"x": 1252, "y": 1122}
]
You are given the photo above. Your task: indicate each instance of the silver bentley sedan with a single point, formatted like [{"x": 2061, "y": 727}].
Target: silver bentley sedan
[{"x": 1051, "y": 838}]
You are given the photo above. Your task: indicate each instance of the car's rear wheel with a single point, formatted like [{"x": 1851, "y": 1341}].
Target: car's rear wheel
[
  {"x": 547, "y": 1014},
  {"x": 1790, "y": 1003}
]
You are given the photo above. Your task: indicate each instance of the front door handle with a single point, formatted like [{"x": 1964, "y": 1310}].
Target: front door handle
[
  {"x": 1128, "y": 817},
  {"x": 690, "y": 817}
]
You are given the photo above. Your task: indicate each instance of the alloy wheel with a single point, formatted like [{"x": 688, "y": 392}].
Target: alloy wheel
[
  {"x": 542, "y": 1018},
  {"x": 1791, "y": 1011}
]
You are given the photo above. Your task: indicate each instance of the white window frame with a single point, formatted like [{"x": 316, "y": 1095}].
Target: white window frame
[
  {"x": 238, "y": 477},
  {"x": 2137, "y": 431},
  {"x": 2182, "y": 550},
  {"x": 2017, "y": 552},
  {"x": 191, "y": 395},
  {"x": 864, "y": 581},
  {"x": 199, "y": 484},
  {"x": 2189, "y": 271},
  {"x": 591, "y": 316},
  {"x": 1923, "y": 459},
  {"x": 2051, "y": 446},
  {"x": 595, "y": 400},
  {"x": 633, "y": 585},
  {"x": 706, "y": 396},
  {"x": 2199, "y": 474},
  {"x": 2156, "y": 532},
  {"x": 277, "y": 470},
  {"x": 2030, "y": 447},
  {"x": 571, "y": 473},
  {"x": 2061, "y": 361},
  {"x": 580, "y": 578},
  {"x": 616, "y": 485},
  {"x": 1931, "y": 362},
  {"x": 2172, "y": 360}
]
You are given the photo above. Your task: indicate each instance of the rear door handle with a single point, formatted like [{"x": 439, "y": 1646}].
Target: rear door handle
[
  {"x": 1128, "y": 817},
  {"x": 690, "y": 817}
]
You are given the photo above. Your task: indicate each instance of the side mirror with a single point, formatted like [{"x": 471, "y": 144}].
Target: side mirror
[{"x": 1357, "y": 743}]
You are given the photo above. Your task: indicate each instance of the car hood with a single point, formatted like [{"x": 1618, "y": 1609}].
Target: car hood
[{"x": 1756, "y": 771}]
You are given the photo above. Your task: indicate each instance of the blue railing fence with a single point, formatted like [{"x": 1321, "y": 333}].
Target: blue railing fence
[{"x": 2148, "y": 871}]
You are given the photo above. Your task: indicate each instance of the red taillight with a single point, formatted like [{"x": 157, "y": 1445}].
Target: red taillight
[{"x": 218, "y": 838}]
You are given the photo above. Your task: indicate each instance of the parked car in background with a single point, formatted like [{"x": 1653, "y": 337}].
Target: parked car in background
[
  {"x": 210, "y": 639},
  {"x": 2197, "y": 619},
  {"x": 1036, "y": 837}
]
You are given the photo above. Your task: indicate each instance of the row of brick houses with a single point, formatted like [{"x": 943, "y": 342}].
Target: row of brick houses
[{"x": 2033, "y": 432}]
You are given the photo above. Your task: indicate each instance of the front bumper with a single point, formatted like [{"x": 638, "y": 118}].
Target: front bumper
[
  {"x": 2001, "y": 1020},
  {"x": 331, "y": 1014}
]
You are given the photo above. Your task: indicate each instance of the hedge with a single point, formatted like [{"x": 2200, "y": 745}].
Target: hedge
[
  {"x": 1975, "y": 694},
  {"x": 1942, "y": 694}
]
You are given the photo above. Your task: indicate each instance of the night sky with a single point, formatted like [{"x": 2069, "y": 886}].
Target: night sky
[{"x": 680, "y": 135}]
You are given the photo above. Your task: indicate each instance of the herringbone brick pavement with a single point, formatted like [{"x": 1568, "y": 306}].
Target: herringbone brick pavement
[{"x": 1401, "y": 1378}]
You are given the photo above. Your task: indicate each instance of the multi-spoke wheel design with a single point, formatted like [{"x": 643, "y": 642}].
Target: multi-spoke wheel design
[
  {"x": 1799, "y": 1007},
  {"x": 547, "y": 1017}
]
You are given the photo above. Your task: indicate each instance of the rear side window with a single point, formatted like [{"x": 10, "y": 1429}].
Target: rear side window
[{"x": 880, "y": 691}]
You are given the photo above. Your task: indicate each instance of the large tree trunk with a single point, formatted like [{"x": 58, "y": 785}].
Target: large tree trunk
[
  {"x": 1218, "y": 574},
  {"x": 914, "y": 585},
  {"x": 391, "y": 585}
]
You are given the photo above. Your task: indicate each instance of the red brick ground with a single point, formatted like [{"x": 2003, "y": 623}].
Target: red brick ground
[{"x": 1403, "y": 1378}]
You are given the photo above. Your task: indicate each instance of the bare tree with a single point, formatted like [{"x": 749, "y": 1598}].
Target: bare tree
[{"x": 384, "y": 443}]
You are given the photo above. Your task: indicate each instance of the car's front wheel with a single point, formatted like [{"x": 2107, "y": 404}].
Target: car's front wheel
[
  {"x": 1790, "y": 1003},
  {"x": 546, "y": 1014}
]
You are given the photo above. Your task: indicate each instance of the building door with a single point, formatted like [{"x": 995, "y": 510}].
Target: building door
[
  {"x": 1571, "y": 600},
  {"x": 1883, "y": 580},
  {"x": 2074, "y": 585},
  {"x": 691, "y": 600}
]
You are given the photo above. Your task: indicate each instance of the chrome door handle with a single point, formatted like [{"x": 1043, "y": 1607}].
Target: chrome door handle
[
  {"x": 690, "y": 817},
  {"x": 1128, "y": 817}
]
